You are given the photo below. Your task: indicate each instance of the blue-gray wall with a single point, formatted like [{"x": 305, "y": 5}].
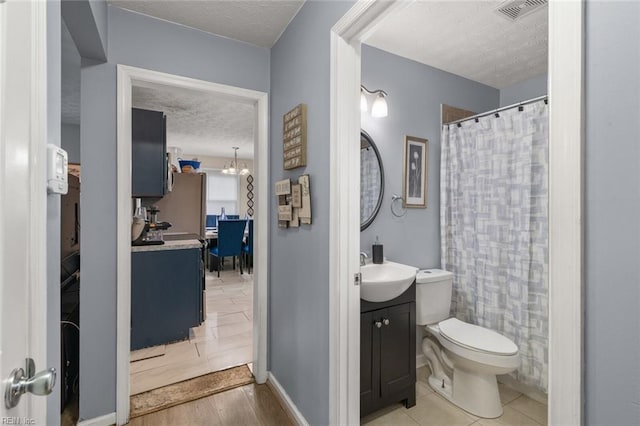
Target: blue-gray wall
[
  {"x": 54, "y": 41},
  {"x": 523, "y": 91},
  {"x": 87, "y": 23},
  {"x": 415, "y": 94},
  {"x": 612, "y": 224},
  {"x": 299, "y": 258},
  {"x": 71, "y": 141},
  {"x": 100, "y": 14},
  {"x": 141, "y": 41}
]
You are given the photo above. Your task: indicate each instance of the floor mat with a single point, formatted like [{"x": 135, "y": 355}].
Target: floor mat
[{"x": 189, "y": 390}]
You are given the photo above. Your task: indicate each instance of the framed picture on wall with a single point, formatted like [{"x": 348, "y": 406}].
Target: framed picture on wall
[{"x": 414, "y": 181}]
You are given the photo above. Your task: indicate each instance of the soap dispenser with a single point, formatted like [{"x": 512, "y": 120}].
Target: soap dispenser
[{"x": 378, "y": 256}]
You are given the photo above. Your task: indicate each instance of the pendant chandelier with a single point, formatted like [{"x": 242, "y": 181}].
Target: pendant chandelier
[{"x": 234, "y": 168}]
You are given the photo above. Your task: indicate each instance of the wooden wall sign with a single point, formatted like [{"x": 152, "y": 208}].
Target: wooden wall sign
[
  {"x": 296, "y": 195},
  {"x": 294, "y": 138},
  {"x": 294, "y": 202},
  {"x": 284, "y": 212},
  {"x": 305, "y": 211},
  {"x": 283, "y": 187}
]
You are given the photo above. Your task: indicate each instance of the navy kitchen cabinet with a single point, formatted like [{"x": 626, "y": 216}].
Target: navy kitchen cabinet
[
  {"x": 166, "y": 295},
  {"x": 148, "y": 153}
]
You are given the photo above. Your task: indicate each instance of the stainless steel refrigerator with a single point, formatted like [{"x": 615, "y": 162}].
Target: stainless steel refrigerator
[{"x": 186, "y": 205}]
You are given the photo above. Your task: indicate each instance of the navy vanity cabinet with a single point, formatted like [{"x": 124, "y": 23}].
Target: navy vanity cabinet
[
  {"x": 166, "y": 296},
  {"x": 148, "y": 153},
  {"x": 388, "y": 352}
]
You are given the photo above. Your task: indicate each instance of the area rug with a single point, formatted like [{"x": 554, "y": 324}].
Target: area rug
[{"x": 189, "y": 390}]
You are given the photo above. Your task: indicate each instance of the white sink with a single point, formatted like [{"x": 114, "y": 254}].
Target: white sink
[{"x": 385, "y": 281}]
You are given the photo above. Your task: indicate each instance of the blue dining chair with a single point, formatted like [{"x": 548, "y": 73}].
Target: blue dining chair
[
  {"x": 247, "y": 247},
  {"x": 212, "y": 221},
  {"x": 230, "y": 234}
]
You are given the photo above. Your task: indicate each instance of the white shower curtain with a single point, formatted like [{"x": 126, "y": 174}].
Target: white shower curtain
[{"x": 494, "y": 228}]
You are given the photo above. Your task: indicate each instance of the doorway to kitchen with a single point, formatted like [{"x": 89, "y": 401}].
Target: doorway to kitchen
[
  {"x": 207, "y": 208},
  {"x": 216, "y": 338}
]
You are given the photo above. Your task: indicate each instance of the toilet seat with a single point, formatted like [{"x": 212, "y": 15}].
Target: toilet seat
[{"x": 476, "y": 338}]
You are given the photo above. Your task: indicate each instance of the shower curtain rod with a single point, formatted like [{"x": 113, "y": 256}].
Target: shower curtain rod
[{"x": 495, "y": 111}]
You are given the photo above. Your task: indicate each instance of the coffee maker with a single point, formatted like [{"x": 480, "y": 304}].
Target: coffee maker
[
  {"x": 154, "y": 233},
  {"x": 146, "y": 228}
]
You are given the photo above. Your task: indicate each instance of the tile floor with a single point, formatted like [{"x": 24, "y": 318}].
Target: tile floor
[
  {"x": 432, "y": 409},
  {"x": 224, "y": 340}
]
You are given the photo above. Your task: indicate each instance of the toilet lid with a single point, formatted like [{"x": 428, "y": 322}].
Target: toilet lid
[{"x": 476, "y": 338}]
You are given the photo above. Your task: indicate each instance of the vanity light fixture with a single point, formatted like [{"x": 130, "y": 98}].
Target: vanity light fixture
[
  {"x": 379, "y": 108},
  {"x": 234, "y": 168}
]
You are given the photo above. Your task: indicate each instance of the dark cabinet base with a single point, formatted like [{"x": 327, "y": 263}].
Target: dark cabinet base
[
  {"x": 407, "y": 397},
  {"x": 388, "y": 353},
  {"x": 166, "y": 296}
]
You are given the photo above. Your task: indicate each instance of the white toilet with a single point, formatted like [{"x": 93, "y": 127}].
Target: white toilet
[{"x": 464, "y": 358}]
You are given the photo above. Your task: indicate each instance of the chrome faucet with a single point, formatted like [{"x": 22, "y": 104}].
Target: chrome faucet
[{"x": 363, "y": 256}]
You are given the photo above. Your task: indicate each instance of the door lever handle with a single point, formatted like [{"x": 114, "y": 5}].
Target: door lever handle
[
  {"x": 19, "y": 383},
  {"x": 42, "y": 383}
]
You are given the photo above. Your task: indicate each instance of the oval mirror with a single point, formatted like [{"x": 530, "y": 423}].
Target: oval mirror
[{"x": 371, "y": 180}]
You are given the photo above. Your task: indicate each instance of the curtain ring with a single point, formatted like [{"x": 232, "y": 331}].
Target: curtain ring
[{"x": 395, "y": 198}]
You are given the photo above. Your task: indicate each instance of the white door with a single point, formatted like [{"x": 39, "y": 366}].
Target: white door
[{"x": 23, "y": 207}]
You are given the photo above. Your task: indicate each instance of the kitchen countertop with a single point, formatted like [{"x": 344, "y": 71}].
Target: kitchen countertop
[{"x": 170, "y": 245}]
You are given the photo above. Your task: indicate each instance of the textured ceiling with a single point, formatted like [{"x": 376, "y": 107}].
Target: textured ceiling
[
  {"x": 468, "y": 38},
  {"x": 200, "y": 123},
  {"x": 258, "y": 22}
]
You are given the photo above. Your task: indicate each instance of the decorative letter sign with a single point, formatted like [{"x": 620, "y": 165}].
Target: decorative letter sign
[{"x": 294, "y": 138}]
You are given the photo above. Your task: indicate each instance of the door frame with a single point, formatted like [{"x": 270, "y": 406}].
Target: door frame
[
  {"x": 566, "y": 106},
  {"x": 29, "y": 152},
  {"x": 128, "y": 76}
]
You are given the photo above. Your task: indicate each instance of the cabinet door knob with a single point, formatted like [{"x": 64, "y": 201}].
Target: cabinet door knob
[
  {"x": 385, "y": 321},
  {"x": 378, "y": 324}
]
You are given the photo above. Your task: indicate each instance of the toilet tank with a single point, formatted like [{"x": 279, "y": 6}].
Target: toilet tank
[{"x": 433, "y": 295}]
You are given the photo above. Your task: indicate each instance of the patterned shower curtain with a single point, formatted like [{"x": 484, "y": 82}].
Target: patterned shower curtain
[{"x": 494, "y": 228}]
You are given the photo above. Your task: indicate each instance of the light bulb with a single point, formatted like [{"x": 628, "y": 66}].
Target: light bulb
[
  {"x": 379, "y": 108},
  {"x": 363, "y": 102}
]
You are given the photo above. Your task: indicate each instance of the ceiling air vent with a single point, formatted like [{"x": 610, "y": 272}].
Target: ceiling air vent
[{"x": 517, "y": 9}]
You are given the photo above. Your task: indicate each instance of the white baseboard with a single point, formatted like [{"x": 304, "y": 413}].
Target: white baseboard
[
  {"x": 106, "y": 420},
  {"x": 293, "y": 410}
]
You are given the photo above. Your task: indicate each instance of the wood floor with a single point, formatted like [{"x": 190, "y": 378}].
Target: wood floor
[{"x": 247, "y": 405}]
